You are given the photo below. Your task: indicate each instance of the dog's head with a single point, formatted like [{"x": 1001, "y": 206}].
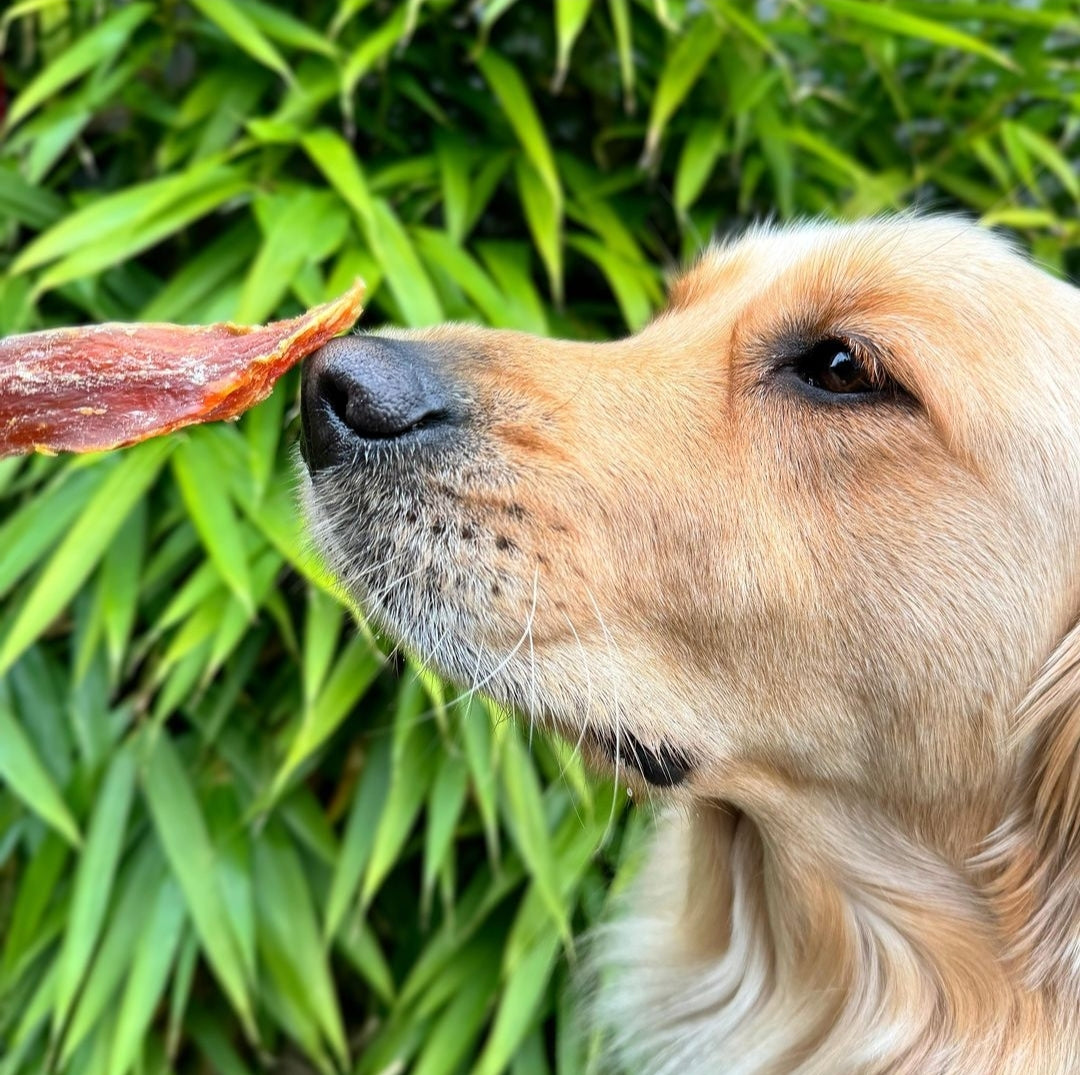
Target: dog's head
[{"x": 818, "y": 520}]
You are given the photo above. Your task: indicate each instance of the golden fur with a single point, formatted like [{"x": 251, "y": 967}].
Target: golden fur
[{"x": 856, "y": 622}]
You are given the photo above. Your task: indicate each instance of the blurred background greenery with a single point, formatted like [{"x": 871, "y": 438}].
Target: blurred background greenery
[{"x": 235, "y": 834}]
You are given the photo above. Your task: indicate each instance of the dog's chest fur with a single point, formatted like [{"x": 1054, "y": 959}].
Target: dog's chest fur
[{"x": 711, "y": 970}]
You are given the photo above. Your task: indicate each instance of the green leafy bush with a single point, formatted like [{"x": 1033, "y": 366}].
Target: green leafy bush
[{"x": 234, "y": 835}]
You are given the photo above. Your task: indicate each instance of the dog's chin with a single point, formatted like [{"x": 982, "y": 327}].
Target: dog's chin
[{"x": 410, "y": 610}]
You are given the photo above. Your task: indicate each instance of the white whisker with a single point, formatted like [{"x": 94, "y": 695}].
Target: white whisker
[
  {"x": 525, "y": 634},
  {"x": 576, "y": 749}
]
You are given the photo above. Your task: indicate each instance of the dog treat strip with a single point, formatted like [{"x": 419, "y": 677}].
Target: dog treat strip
[{"x": 104, "y": 386}]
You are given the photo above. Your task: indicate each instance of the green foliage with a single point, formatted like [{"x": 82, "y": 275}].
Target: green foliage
[{"x": 234, "y": 834}]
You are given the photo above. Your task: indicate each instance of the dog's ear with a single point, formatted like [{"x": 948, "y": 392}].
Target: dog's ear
[
  {"x": 1050, "y": 717},
  {"x": 1034, "y": 857}
]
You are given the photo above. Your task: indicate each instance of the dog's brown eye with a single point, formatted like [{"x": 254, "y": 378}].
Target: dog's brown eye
[{"x": 832, "y": 367}]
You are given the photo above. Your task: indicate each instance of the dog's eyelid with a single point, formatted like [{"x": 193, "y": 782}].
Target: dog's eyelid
[
  {"x": 834, "y": 366},
  {"x": 867, "y": 356}
]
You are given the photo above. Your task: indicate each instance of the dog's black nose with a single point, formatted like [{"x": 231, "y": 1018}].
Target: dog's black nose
[{"x": 366, "y": 388}]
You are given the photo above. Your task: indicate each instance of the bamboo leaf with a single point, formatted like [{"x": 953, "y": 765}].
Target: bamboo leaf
[
  {"x": 373, "y": 48},
  {"x": 148, "y": 977},
  {"x": 524, "y": 815},
  {"x": 360, "y": 945},
  {"x": 439, "y": 249},
  {"x": 118, "y": 214},
  {"x": 112, "y": 961},
  {"x": 231, "y": 838},
  {"x": 897, "y": 21},
  {"x": 405, "y": 273},
  {"x": 237, "y": 25},
  {"x": 700, "y": 152},
  {"x": 390, "y": 243},
  {"x": 444, "y": 808},
  {"x": 287, "y": 29},
  {"x": 457, "y": 1029},
  {"x": 120, "y": 573},
  {"x": 413, "y": 769},
  {"x": 27, "y": 777},
  {"x": 191, "y": 290},
  {"x": 357, "y": 666},
  {"x": 570, "y": 16},
  {"x": 197, "y": 473},
  {"x": 218, "y": 1051},
  {"x": 184, "y": 838},
  {"x": 31, "y": 1019},
  {"x": 263, "y": 429},
  {"x": 180, "y": 993},
  {"x": 29, "y": 204},
  {"x": 324, "y": 621},
  {"x": 84, "y": 545},
  {"x": 517, "y": 106},
  {"x": 693, "y": 49},
  {"x": 1023, "y": 140},
  {"x": 34, "y": 528},
  {"x": 455, "y": 161},
  {"x": 624, "y": 46},
  {"x": 25, "y": 919},
  {"x": 103, "y": 43},
  {"x": 93, "y": 882},
  {"x": 367, "y": 807},
  {"x": 511, "y": 268},
  {"x": 320, "y": 217},
  {"x": 118, "y": 247},
  {"x": 287, "y": 913},
  {"x": 519, "y": 1006},
  {"x": 335, "y": 159},
  {"x": 476, "y": 734},
  {"x": 636, "y": 294},
  {"x": 543, "y": 212},
  {"x": 531, "y": 1056},
  {"x": 573, "y": 847}
]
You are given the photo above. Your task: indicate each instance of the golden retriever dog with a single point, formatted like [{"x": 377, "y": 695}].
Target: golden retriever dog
[{"x": 803, "y": 556}]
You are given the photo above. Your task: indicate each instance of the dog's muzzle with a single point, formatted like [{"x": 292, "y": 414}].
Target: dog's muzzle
[{"x": 362, "y": 389}]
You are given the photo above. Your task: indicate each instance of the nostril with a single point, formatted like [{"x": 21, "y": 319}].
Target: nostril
[
  {"x": 336, "y": 396},
  {"x": 432, "y": 418}
]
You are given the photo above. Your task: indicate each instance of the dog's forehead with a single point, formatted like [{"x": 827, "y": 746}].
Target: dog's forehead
[{"x": 854, "y": 262}]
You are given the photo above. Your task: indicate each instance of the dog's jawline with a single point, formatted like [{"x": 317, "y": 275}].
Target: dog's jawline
[{"x": 664, "y": 767}]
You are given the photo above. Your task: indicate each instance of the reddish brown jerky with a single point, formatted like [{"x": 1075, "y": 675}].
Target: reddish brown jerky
[{"x": 103, "y": 386}]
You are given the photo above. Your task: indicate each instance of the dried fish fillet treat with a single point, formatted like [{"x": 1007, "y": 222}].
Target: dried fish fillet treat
[{"x": 104, "y": 386}]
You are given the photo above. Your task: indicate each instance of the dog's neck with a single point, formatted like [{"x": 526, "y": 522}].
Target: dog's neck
[
  {"x": 824, "y": 935},
  {"x": 814, "y": 941}
]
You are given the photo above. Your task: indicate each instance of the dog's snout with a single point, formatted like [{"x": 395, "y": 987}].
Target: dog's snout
[{"x": 367, "y": 388}]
